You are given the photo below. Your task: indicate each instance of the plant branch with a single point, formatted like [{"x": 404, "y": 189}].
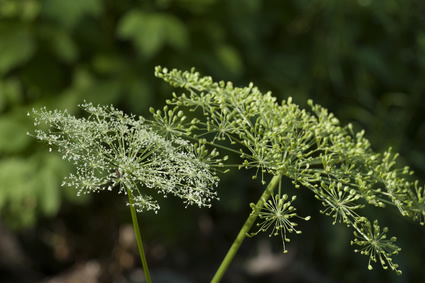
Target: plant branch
[
  {"x": 245, "y": 229},
  {"x": 138, "y": 237}
]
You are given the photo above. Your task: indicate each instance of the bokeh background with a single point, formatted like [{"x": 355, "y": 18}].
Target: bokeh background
[{"x": 364, "y": 60}]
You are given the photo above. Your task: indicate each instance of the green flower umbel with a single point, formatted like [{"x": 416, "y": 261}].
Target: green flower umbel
[
  {"x": 312, "y": 148},
  {"x": 113, "y": 150}
]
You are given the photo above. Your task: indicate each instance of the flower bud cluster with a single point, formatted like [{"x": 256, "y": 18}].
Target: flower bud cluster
[{"x": 311, "y": 148}]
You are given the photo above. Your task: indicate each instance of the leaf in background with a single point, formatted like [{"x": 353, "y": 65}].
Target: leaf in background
[
  {"x": 16, "y": 200},
  {"x": 61, "y": 43},
  {"x": 69, "y": 13},
  {"x": 420, "y": 39},
  {"x": 26, "y": 10},
  {"x": 10, "y": 93},
  {"x": 230, "y": 59},
  {"x": 9, "y": 8},
  {"x": 139, "y": 95},
  {"x": 13, "y": 138},
  {"x": 16, "y": 47},
  {"x": 151, "y": 31},
  {"x": 30, "y": 187},
  {"x": 98, "y": 92},
  {"x": 30, "y": 10},
  {"x": 43, "y": 75},
  {"x": 109, "y": 64},
  {"x": 225, "y": 60},
  {"x": 47, "y": 187},
  {"x": 195, "y": 6}
]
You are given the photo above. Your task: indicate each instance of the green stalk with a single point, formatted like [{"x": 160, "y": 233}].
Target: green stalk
[
  {"x": 245, "y": 229},
  {"x": 138, "y": 237}
]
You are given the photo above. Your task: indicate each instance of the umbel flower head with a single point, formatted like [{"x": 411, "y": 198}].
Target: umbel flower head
[
  {"x": 277, "y": 213},
  {"x": 112, "y": 150},
  {"x": 311, "y": 148}
]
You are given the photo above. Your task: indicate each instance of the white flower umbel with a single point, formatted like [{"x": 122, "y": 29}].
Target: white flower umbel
[{"x": 115, "y": 151}]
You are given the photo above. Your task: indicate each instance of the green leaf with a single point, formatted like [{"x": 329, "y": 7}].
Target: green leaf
[
  {"x": 9, "y": 8},
  {"x": 230, "y": 59},
  {"x": 139, "y": 96},
  {"x": 13, "y": 138},
  {"x": 17, "y": 201},
  {"x": 48, "y": 186},
  {"x": 30, "y": 10},
  {"x": 26, "y": 10},
  {"x": 69, "y": 13},
  {"x": 61, "y": 43},
  {"x": 29, "y": 187},
  {"x": 16, "y": 47},
  {"x": 151, "y": 31},
  {"x": 10, "y": 93},
  {"x": 109, "y": 64},
  {"x": 100, "y": 92}
]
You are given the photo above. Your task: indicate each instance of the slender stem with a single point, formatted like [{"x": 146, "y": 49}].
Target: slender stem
[
  {"x": 243, "y": 232},
  {"x": 138, "y": 237}
]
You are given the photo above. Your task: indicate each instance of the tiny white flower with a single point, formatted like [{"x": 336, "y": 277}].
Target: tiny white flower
[{"x": 114, "y": 150}]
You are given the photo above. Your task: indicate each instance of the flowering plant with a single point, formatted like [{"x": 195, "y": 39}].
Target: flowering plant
[
  {"x": 311, "y": 148},
  {"x": 136, "y": 156},
  {"x": 115, "y": 151}
]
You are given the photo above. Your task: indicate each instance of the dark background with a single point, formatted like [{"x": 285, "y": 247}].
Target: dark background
[{"x": 364, "y": 60}]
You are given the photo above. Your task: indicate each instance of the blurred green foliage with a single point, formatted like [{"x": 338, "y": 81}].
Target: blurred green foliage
[{"x": 362, "y": 59}]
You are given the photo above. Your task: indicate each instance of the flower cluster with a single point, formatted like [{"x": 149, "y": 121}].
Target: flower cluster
[
  {"x": 375, "y": 244},
  {"x": 311, "y": 148},
  {"x": 111, "y": 149},
  {"x": 277, "y": 213}
]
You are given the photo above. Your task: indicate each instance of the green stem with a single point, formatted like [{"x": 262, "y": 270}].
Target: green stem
[
  {"x": 245, "y": 229},
  {"x": 138, "y": 237}
]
